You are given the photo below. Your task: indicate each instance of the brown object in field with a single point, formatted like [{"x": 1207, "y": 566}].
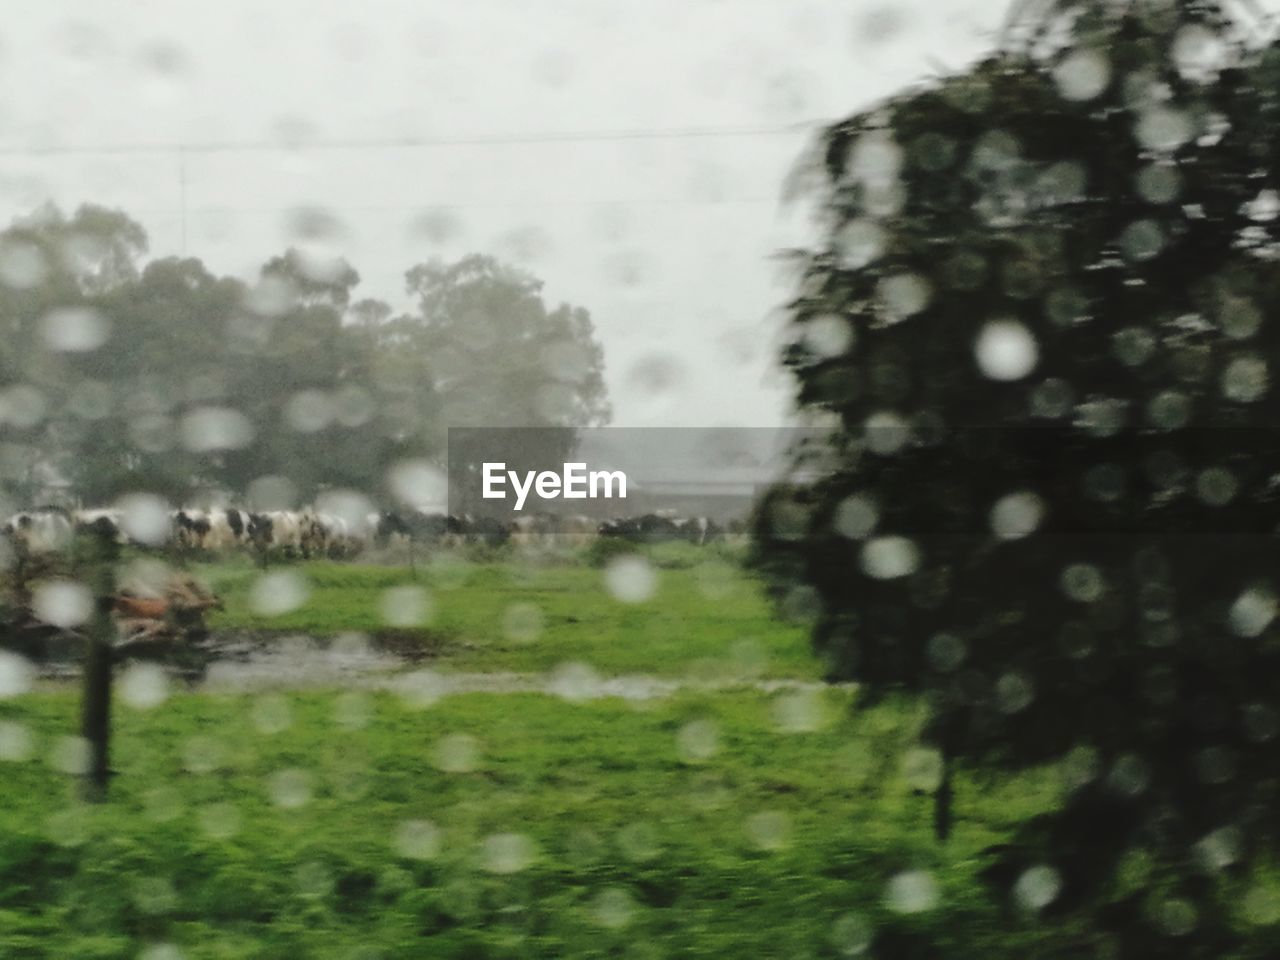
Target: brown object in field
[
  {"x": 141, "y": 608},
  {"x": 187, "y": 593}
]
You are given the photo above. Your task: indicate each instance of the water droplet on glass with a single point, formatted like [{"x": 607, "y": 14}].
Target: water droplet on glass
[
  {"x": 16, "y": 742},
  {"x": 889, "y": 558},
  {"x": 290, "y": 788},
  {"x": 1253, "y": 612},
  {"x": 1037, "y": 887},
  {"x": 507, "y": 853},
  {"x": 912, "y": 891},
  {"x": 1006, "y": 350},
  {"x": 74, "y": 329},
  {"x": 277, "y": 593},
  {"x": 457, "y": 753},
  {"x": 219, "y": 821},
  {"x": 17, "y": 674},
  {"x": 406, "y": 606},
  {"x": 63, "y": 603},
  {"x": 417, "y": 840},
  {"x": 144, "y": 686},
  {"x": 70, "y": 755},
  {"x": 613, "y": 908},
  {"x": 1082, "y": 75},
  {"x": 1016, "y": 515},
  {"x": 828, "y": 335},
  {"x": 922, "y": 768},
  {"x": 697, "y": 741},
  {"x": 630, "y": 579},
  {"x": 1082, "y": 582}
]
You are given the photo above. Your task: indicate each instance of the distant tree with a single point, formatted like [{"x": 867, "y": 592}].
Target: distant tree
[
  {"x": 501, "y": 359},
  {"x": 1040, "y": 322}
]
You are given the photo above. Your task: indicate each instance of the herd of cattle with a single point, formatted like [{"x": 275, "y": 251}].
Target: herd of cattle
[{"x": 310, "y": 533}]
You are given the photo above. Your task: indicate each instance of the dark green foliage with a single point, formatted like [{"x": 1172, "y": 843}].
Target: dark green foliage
[{"x": 1042, "y": 325}]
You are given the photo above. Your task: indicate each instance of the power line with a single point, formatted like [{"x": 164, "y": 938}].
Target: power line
[{"x": 301, "y": 144}]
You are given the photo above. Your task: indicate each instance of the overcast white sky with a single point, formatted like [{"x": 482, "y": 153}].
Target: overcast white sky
[{"x": 665, "y": 240}]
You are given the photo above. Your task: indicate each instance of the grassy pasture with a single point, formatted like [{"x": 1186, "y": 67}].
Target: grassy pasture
[
  {"x": 353, "y": 825},
  {"x": 350, "y": 825},
  {"x": 704, "y": 618}
]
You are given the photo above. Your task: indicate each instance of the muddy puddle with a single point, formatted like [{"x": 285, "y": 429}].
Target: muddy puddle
[{"x": 243, "y": 661}]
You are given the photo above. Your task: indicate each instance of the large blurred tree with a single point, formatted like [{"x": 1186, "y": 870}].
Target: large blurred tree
[
  {"x": 1041, "y": 323},
  {"x": 502, "y": 360}
]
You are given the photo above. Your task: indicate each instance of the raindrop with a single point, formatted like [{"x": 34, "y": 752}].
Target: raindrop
[
  {"x": 828, "y": 335},
  {"x": 507, "y": 853},
  {"x": 946, "y": 652},
  {"x": 22, "y": 264},
  {"x": 802, "y": 711},
  {"x": 912, "y": 891},
  {"x": 206, "y": 429},
  {"x": 903, "y": 295},
  {"x": 1006, "y": 350},
  {"x": 1082, "y": 582},
  {"x": 271, "y": 714},
  {"x": 406, "y": 606},
  {"x": 1014, "y": 693},
  {"x": 145, "y": 519},
  {"x": 1246, "y": 379},
  {"x": 1219, "y": 849},
  {"x": 856, "y": 516},
  {"x": 417, "y": 483},
  {"x": 768, "y": 830},
  {"x": 219, "y": 821},
  {"x": 522, "y": 622},
  {"x": 889, "y": 558},
  {"x": 1016, "y": 515},
  {"x": 277, "y": 593},
  {"x": 62, "y": 603},
  {"x": 16, "y": 742},
  {"x": 420, "y": 688},
  {"x": 574, "y": 682},
  {"x": 922, "y": 768},
  {"x": 1037, "y": 887},
  {"x": 1053, "y": 398},
  {"x": 71, "y": 755},
  {"x": 309, "y": 411},
  {"x": 630, "y": 579},
  {"x": 203, "y": 755},
  {"x": 1216, "y": 486},
  {"x": 417, "y": 840},
  {"x": 458, "y": 753},
  {"x": 290, "y": 788},
  {"x": 353, "y": 710},
  {"x": 851, "y": 935},
  {"x": 858, "y": 243},
  {"x": 697, "y": 741},
  {"x": 1164, "y": 129},
  {"x": 1142, "y": 240},
  {"x": 1082, "y": 75},
  {"x": 1159, "y": 183},
  {"x": 886, "y": 432},
  {"x": 74, "y": 329},
  {"x": 1133, "y": 346},
  {"x": 1253, "y": 612},
  {"x": 144, "y": 686},
  {"x": 17, "y": 675},
  {"x": 613, "y": 908},
  {"x": 1169, "y": 410}
]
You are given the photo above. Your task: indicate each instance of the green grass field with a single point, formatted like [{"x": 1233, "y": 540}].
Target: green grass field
[
  {"x": 704, "y": 617},
  {"x": 347, "y": 824},
  {"x": 341, "y": 825}
]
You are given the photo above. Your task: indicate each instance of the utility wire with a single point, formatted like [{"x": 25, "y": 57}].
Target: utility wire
[{"x": 302, "y": 144}]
